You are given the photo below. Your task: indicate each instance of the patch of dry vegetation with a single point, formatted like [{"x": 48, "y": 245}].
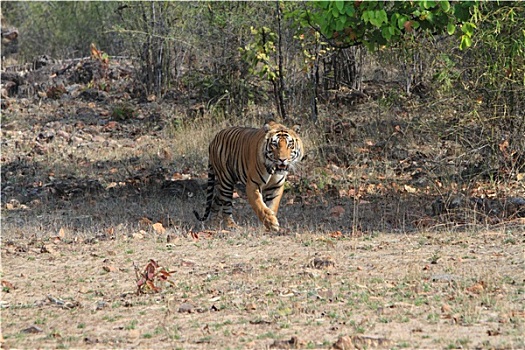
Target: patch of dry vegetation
[
  {"x": 383, "y": 245},
  {"x": 249, "y": 289}
]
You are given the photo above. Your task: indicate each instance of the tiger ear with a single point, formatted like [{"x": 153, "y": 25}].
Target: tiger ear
[
  {"x": 268, "y": 125},
  {"x": 296, "y": 128}
]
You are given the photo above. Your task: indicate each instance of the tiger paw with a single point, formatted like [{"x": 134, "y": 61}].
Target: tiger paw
[
  {"x": 230, "y": 223},
  {"x": 271, "y": 223}
]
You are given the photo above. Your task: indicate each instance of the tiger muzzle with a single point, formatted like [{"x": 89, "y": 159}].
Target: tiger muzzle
[{"x": 282, "y": 164}]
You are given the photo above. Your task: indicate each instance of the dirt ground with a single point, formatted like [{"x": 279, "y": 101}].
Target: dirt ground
[
  {"x": 378, "y": 250},
  {"x": 251, "y": 289}
]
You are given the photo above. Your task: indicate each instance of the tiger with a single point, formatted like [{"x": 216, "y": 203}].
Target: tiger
[{"x": 258, "y": 158}]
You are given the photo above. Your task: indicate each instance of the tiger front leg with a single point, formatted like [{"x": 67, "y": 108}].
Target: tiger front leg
[
  {"x": 265, "y": 214},
  {"x": 273, "y": 197}
]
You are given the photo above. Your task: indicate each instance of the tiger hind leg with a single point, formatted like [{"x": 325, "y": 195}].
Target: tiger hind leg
[{"x": 226, "y": 202}]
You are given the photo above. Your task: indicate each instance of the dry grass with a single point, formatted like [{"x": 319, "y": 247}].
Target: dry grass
[
  {"x": 247, "y": 289},
  {"x": 74, "y": 216}
]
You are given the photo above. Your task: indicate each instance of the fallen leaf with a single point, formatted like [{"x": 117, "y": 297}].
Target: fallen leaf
[
  {"x": 110, "y": 126},
  {"x": 410, "y": 189},
  {"x": 343, "y": 343},
  {"x": 134, "y": 333},
  {"x": 336, "y": 234},
  {"x": 109, "y": 268},
  {"x": 493, "y": 332},
  {"x": 47, "y": 248},
  {"x": 361, "y": 342},
  {"x": 150, "y": 269},
  {"x": 138, "y": 235},
  {"x": 187, "y": 263},
  {"x": 164, "y": 275},
  {"x": 476, "y": 288},
  {"x": 425, "y": 222},
  {"x": 397, "y": 128},
  {"x": 178, "y": 176},
  {"x": 503, "y": 146},
  {"x": 446, "y": 309},
  {"x": 7, "y": 286},
  {"x": 205, "y": 234},
  {"x": 151, "y": 98},
  {"x": 145, "y": 221},
  {"x": 337, "y": 211},
  {"x": 151, "y": 272},
  {"x": 159, "y": 228},
  {"x": 152, "y": 286}
]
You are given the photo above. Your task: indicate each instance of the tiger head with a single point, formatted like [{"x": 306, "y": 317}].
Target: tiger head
[{"x": 283, "y": 148}]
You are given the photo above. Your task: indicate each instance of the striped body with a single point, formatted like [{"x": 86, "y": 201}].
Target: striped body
[{"x": 258, "y": 158}]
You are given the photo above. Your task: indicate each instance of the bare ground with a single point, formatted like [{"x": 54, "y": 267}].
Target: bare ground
[
  {"x": 247, "y": 289},
  {"x": 393, "y": 237}
]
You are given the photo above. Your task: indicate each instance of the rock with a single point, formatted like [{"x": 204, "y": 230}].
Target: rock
[
  {"x": 32, "y": 329},
  {"x": 361, "y": 342},
  {"x": 186, "y": 308},
  {"x": 293, "y": 343},
  {"x": 322, "y": 262}
]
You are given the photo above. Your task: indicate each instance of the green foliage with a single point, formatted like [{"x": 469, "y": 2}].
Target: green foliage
[
  {"x": 62, "y": 29},
  {"x": 495, "y": 72},
  {"x": 123, "y": 111},
  {"x": 258, "y": 53},
  {"x": 226, "y": 53},
  {"x": 447, "y": 75},
  {"x": 385, "y": 23},
  {"x": 192, "y": 47},
  {"x": 500, "y": 45}
]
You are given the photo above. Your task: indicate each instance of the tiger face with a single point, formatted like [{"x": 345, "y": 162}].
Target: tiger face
[{"x": 283, "y": 149}]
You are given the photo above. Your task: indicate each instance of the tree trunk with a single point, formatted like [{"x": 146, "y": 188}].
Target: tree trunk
[{"x": 280, "y": 75}]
